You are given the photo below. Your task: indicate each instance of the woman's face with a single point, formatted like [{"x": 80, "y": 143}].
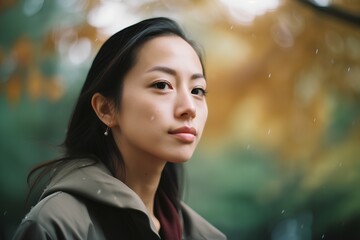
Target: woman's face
[{"x": 163, "y": 108}]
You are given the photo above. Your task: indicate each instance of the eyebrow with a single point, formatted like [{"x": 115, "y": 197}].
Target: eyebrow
[{"x": 171, "y": 71}]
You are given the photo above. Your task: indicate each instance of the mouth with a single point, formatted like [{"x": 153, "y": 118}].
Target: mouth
[{"x": 184, "y": 134}]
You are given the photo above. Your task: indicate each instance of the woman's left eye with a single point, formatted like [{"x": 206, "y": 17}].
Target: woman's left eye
[{"x": 199, "y": 91}]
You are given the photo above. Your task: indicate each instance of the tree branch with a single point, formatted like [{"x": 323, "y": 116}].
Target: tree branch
[{"x": 334, "y": 12}]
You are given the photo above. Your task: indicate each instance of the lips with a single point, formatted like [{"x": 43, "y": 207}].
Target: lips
[{"x": 184, "y": 134}]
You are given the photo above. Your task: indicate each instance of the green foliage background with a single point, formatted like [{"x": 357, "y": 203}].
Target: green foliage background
[{"x": 249, "y": 192}]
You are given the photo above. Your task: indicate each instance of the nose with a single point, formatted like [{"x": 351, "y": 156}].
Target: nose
[{"x": 185, "y": 106}]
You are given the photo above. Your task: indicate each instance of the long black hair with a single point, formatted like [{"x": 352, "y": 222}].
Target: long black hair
[{"x": 85, "y": 133}]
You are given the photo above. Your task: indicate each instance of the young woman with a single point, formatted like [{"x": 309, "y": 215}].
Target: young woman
[{"x": 140, "y": 114}]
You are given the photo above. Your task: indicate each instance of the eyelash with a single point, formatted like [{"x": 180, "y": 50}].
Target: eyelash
[
  {"x": 165, "y": 83},
  {"x": 203, "y": 91},
  {"x": 156, "y": 85}
]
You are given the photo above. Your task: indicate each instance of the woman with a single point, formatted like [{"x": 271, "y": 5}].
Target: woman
[{"x": 140, "y": 114}]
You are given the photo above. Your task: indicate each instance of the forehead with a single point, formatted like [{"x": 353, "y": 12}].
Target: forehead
[{"x": 164, "y": 48}]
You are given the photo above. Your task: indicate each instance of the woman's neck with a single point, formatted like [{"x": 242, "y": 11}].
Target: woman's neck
[
  {"x": 144, "y": 183},
  {"x": 144, "y": 178}
]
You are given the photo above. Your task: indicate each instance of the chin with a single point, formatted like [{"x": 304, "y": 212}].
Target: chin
[
  {"x": 178, "y": 154},
  {"x": 180, "y": 158}
]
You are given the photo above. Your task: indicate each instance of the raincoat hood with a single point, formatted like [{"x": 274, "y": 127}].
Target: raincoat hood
[{"x": 93, "y": 181}]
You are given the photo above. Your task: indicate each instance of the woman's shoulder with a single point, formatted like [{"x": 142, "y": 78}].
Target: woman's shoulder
[
  {"x": 59, "y": 205},
  {"x": 196, "y": 227},
  {"x": 59, "y": 215}
]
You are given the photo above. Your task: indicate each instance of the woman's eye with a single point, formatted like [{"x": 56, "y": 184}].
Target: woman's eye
[
  {"x": 162, "y": 85},
  {"x": 199, "y": 91}
]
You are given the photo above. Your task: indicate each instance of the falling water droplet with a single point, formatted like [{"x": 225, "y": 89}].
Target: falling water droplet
[
  {"x": 152, "y": 118},
  {"x": 283, "y": 211},
  {"x": 84, "y": 178},
  {"x": 269, "y": 131},
  {"x": 323, "y": 236},
  {"x": 349, "y": 68},
  {"x": 248, "y": 147},
  {"x": 231, "y": 27},
  {"x": 98, "y": 191},
  {"x": 314, "y": 120},
  {"x": 269, "y": 75},
  {"x": 317, "y": 51},
  {"x": 5, "y": 212}
]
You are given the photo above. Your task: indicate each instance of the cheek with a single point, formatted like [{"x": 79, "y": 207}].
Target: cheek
[
  {"x": 153, "y": 114},
  {"x": 203, "y": 114},
  {"x": 142, "y": 113}
]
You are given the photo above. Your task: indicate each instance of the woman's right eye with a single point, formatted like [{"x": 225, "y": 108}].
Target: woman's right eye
[{"x": 162, "y": 85}]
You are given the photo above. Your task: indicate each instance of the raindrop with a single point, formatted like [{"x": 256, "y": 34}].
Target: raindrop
[
  {"x": 5, "y": 212},
  {"x": 98, "y": 191},
  {"x": 269, "y": 75},
  {"x": 317, "y": 51},
  {"x": 152, "y": 118},
  {"x": 323, "y": 236},
  {"x": 269, "y": 131},
  {"x": 283, "y": 211},
  {"x": 349, "y": 68},
  {"x": 302, "y": 226},
  {"x": 84, "y": 178},
  {"x": 314, "y": 120},
  {"x": 248, "y": 147},
  {"x": 231, "y": 27}
]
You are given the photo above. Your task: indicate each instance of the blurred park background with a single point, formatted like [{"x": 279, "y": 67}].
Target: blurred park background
[{"x": 280, "y": 156}]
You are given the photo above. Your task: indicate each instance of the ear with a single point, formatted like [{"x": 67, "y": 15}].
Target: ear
[{"x": 104, "y": 109}]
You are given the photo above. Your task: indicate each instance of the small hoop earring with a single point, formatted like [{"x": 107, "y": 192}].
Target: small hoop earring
[{"x": 106, "y": 133}]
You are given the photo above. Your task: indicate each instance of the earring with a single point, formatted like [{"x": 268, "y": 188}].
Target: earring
[{"x": 106, "y": 133}]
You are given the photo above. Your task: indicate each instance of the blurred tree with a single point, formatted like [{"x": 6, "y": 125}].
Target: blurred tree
[{"x": 279, "y": 158}]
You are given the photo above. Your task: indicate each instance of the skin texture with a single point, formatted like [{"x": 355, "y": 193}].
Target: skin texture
[{"x": 162, "y": 93}]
